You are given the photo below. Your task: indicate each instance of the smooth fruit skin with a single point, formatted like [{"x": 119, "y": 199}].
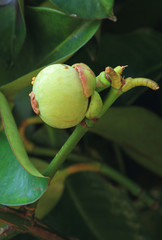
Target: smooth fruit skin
[
  {"x": 95, "y": 106},
  {"x": 59, "y": 94}
]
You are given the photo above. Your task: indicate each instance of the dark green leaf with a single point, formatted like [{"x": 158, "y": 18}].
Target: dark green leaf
[
  {"x": 11, "y": 89},
  {"x": 57, "y": 33},
  {"x": 140, "y": 50},
  {"x": 138, "y": 131},
  {"x": 152, "y": 218},
  {"x": 4, "y": 74},
  {"x": 96, "y": 9},
  {"x": 96, "y": 210},
  {"x": 148, "y": 11},
  {"x": 52, "y": 37},
  {"x": 12, "y": 30},
  {"x": 21, "y": 183}
]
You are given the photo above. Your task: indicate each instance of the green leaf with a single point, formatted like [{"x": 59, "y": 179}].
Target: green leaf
[
  {"x": 90, "y": 9},
  {"x": 52, "y": 196},
  {"x": 152, "y": 219},
  {"x": 12, "y": 30},
  {"x": 11, "y": 89},
  {"x": 52, "y": 37},
  {"x": 54, "y": 192},
  {"x": 4, "y": 74},
  {"x": 141, "y": 50},
  {"x": 60, "y": 36},
  {"x": 138, "y": 131},
  {"x": 97, "y": 211},
  {"x": 149, "y": 15},
  {"x": 21, "y": 183},
  {"x": 132, "y": 50}
]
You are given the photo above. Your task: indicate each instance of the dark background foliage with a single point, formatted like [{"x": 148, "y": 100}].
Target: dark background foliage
[{"x": 129, "y": 136}]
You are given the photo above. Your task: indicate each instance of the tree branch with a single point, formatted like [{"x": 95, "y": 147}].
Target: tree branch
[{"x": 18, "y": 221}]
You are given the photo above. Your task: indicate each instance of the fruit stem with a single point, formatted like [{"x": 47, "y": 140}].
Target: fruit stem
[
  {"x": 77, "y": 134},
  {"x": 110, "y": 99},
  {"x": 66, "y": 149}
]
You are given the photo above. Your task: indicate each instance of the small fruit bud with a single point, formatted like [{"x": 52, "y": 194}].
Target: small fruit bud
[
  {"x": 114, "y": 76},
  {"x": 120, "y": 69},
  {"x": 95, "y": 106}
]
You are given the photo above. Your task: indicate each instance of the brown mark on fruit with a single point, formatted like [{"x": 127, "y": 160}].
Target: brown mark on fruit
[
  {"x": 66, "y": 67},
  {"x": 34, "y": 103}
]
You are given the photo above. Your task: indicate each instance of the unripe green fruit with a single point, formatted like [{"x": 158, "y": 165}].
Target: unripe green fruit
[{"x": 58, "y": 94}]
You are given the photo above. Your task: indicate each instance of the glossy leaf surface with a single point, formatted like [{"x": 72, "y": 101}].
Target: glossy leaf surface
[
  {"x": 60, "y": 31},
  {"x": 97, "y": 9},
  {"x": 52, "y": 37},
  {"x": 18, "y": 186},
  {"x": 21, "y": 183},
  {"x": 138, "y": 131}
]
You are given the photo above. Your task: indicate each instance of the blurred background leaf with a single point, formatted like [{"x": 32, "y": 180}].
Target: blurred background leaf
[
  {"x": 96, "y": 9},
  {"x": 96, "y": 210},
  {"x": 12, "y": 30},
  {"x": 12, "y": 34},
  {"x": 152, "y": 219},
  {"x": 93, "y": 207},
  {"x": 140, "y": 50},
  {"x": 138, "y": 131},
  {"x": 137, "y": 14}
]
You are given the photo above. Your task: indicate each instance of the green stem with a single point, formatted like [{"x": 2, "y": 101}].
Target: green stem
[
  {"x": 113, "y": 174},
  {"x": 107, "y": 171},
  {"x": 51, "y": 134},
  {"x": 43, "y": 151},
  {"x": 65, "y": 150},
  {"x": 121, "y": 179},
  {"x": 110, "y": 99},
  {"x": 75, "y": 137}
]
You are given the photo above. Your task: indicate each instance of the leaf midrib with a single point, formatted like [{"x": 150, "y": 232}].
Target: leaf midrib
[{"x": 74, "y": 33}]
